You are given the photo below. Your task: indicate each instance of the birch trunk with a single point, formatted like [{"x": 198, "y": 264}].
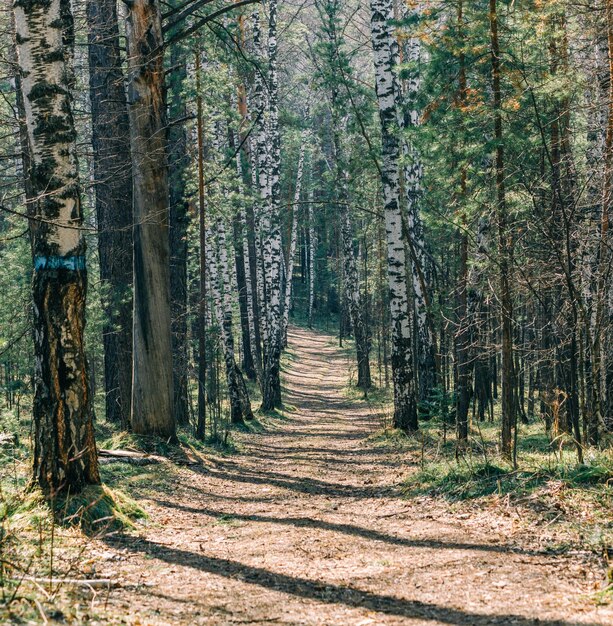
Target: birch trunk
[
  {"x": 409, "y": 116},
  {"x": 113, "y": 176},
  {"x": 64, "y": 447},
  {"x": 294, "y": 239},
  {"x": 259, "y": 173},
  {"x": 204, "y": 253},
  {"x": 240, "y": 405},
  {"x": 385, "y": 61},
  {"x": 352, "y": 292},
  {"x": 152, "y": 388},
  {"x": 312, "y": 248},
  {"x": 271, "y": 391}
]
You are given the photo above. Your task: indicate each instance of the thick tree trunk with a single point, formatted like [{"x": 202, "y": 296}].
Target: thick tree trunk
[
  {"x": 64, "y": 448},
  {"x": 152, "y": 388},
  {"x": 386, "y": 59},
  {"x": 260, "y": 183},
  {"x": 113, "y": 177}
]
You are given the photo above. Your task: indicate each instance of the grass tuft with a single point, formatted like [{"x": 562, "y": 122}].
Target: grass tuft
[{"x": 98, "y": 509}]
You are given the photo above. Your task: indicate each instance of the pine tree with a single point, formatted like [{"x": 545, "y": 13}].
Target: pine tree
[{"x": 152, "y": 388}]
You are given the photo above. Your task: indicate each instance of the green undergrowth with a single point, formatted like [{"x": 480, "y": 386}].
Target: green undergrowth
[
  {"x": 100, "y": 509},
  {"x": 548, "y": 486},
  {"x": 322, "y": 324},
  {"x": 477, "y": 469},
  {"x": 267, "y": 418}
]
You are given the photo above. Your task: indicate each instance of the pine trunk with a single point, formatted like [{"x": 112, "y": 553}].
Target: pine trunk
[
  {"x": 152, "y": 388},
  {"x": 113, "y": 179},
  {"x": 506, "y": 304},
  {"x": 178, "y": 229}
]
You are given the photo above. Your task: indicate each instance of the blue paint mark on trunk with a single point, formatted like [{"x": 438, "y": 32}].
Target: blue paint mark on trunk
[{"x": 73, "y": 263}]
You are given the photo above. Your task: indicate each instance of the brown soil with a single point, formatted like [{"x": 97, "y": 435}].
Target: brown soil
[{"x": 307, "y": 526}]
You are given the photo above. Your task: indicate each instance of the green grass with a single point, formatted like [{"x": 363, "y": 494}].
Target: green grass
[
  {"x": 549, "y": 486},
  {"x": 100, "y": 509}
]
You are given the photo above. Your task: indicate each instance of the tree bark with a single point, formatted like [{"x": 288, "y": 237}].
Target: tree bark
[
  {"x": 409, "y": 116},
  {"x": 240, "y": 405},
  {"x": 386, "y": 59},
  {"x": 64, "y": 448},
  {"x": 152, "y": 388},
  {"x": 178, "y": 228},
  {"x": 243, "y": 276},
  {"x": 271, "y": 388},
  {"x": 312, "y": 248},
  {"x": 113, "y": 179},
  {"x": 293, "y": 239},
  {"x": 464, "y": 386},
  {"x": 506, "y": 304}
]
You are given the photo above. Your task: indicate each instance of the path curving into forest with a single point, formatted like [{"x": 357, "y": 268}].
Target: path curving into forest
[{"x": 306, "y": 526}]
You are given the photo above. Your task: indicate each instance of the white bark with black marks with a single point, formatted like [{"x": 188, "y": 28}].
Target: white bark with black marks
[
  {"x": 271, "y": 229},
  {"x": 294, "y": 237},
  {"x": 221, "y": 285},
  {"x": 64, "y": 448},
  {"x": 409, "y": 116},
  {"x": 385, "y": 50},
  {"x": 312, "y": 248}
]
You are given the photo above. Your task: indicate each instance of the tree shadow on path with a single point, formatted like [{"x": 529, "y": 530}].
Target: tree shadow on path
[
  {"x": 326, "y": 592},
  {"x": 356, "y": 531}
]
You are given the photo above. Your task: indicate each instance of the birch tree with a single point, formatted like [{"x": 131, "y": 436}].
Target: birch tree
[
  {"x": 271, "y": 229},
  {"x": 312, "y": 248},
  {"x": 251, "y": 363},
  {"x": 293, "y": 237},
  {"x": 221, "y": 286},
  {"x": 412, "y": 172},
  {"x": 64, "y": 447},
  {"x": 336, "y": 63},
  {"x": 385, "y": 50}
]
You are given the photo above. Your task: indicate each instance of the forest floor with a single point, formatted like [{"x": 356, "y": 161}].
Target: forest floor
[{"x": 309, "y": 524}]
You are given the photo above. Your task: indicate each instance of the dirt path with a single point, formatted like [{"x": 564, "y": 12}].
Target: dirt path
[{"x": 305, "y": 526}]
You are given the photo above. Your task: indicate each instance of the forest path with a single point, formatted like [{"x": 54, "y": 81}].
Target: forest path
[{"x": 306, "y": 526}]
